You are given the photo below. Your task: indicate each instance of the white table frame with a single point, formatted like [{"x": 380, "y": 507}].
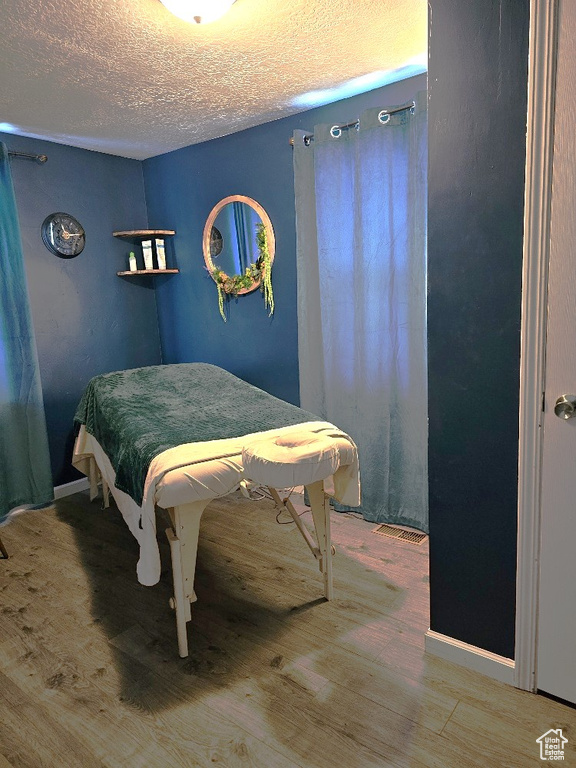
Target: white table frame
[{"x": 183, "y": 538}]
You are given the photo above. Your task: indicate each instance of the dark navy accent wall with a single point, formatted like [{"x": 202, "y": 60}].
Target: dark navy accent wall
[
  {"x": 477, "y": 126},
  {"x": 86, "y": 319},
  {"x": 181, "y": 189}
]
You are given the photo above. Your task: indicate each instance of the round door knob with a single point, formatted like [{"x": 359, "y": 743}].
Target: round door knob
[{"x": 565, "y": 407}]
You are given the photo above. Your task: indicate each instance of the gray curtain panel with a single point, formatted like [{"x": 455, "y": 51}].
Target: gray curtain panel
[{"x": 361, "y": 257}]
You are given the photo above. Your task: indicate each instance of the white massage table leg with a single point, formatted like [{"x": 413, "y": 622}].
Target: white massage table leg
[
  {"x": 105, "y": 494},
  {"x": 178, "y": 602},
  {"x": 183, "y": 538},
  {"x": 96, "y": 477},
  {"x": 93, "y": 477},
  {"x": 320, "y": 508}
]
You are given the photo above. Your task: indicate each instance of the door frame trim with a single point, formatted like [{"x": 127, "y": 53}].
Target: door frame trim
[{"x": 543, "y": 48}]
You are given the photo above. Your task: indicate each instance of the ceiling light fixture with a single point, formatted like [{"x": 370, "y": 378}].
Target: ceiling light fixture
[{"x": 198, "y": 11}]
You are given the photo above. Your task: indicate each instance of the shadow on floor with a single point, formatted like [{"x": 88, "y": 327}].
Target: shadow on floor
[{"x": 248, "y": 607}]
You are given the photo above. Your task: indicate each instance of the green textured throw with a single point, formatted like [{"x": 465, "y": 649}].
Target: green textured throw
[{"x": 137, "y": 414}]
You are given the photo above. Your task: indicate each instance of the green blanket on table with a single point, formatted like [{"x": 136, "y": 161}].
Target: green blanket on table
[{"x": 137, "y": 414}]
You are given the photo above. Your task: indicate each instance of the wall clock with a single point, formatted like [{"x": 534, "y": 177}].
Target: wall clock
[{"x": 63, "y": 235}]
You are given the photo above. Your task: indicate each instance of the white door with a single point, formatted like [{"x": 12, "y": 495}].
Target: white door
[{"x": 556, "y": 657}]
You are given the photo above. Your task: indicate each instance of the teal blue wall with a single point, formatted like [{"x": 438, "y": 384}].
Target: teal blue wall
[
  {"x": 86, "y": 319},
  {"x": 181, "y": 189},
  {"x": 477, "y": 135}
]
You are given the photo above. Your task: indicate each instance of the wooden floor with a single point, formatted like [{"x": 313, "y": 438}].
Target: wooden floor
[{"x": 90, "y": 675}]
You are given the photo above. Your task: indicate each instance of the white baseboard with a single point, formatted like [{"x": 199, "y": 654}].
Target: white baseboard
[
  {"x": 471, "y": 657},
  {"x": 60, "y": 491}
]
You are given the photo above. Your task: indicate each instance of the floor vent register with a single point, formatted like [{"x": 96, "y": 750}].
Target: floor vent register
[{"x": 402, "y": 534}]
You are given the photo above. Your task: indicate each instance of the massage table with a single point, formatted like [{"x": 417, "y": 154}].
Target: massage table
[{"x": 178, "y": 436}]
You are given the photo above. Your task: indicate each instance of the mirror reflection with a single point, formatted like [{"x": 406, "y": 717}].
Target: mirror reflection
[
  {"x": 233, "y": 243},
  {"x": 215, "y": 242}
]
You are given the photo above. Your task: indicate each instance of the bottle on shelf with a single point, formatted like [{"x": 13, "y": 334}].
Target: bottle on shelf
[
  {"x": 147, "y": 253},
  {"x": 160, "y": 253}
]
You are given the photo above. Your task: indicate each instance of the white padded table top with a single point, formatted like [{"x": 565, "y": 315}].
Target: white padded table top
[
  {"x": 285, "y": 461},
  {"x": 198, "y": 471}
]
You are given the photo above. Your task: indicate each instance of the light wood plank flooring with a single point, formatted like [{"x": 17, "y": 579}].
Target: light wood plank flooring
[{"x": 277, "y": 677}]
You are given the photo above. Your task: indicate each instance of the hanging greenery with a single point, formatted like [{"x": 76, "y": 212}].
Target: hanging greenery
[
  {"x": 264, "y": 264},
  {"x": 258, "y": 272}
]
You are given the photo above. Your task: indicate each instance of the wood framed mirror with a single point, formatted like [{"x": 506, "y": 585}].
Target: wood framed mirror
[{"x": 238, "y": 244}]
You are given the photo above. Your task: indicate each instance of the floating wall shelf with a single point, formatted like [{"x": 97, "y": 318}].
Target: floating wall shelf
[
  {"x": 143, "y": 234},
  {"x": 148, "y": 272},
  {"x": 137, "y": 235}
]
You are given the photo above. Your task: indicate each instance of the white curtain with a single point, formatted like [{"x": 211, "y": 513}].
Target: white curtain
[{"x": 361, "y": 256}]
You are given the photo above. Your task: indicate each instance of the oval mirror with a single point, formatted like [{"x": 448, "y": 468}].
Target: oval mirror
[{"x": 238, "y": 245}]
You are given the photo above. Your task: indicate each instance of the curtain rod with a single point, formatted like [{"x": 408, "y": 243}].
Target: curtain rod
[
  {"x": 28, "y": 156},
  {"x": 392, "y": 111}
]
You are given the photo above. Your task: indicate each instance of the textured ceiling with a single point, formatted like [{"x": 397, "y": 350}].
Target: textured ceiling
[{"x": 128, "y": 78}]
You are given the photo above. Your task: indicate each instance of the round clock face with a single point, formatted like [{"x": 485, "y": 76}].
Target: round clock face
[{"x": 63, "y": 235}]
